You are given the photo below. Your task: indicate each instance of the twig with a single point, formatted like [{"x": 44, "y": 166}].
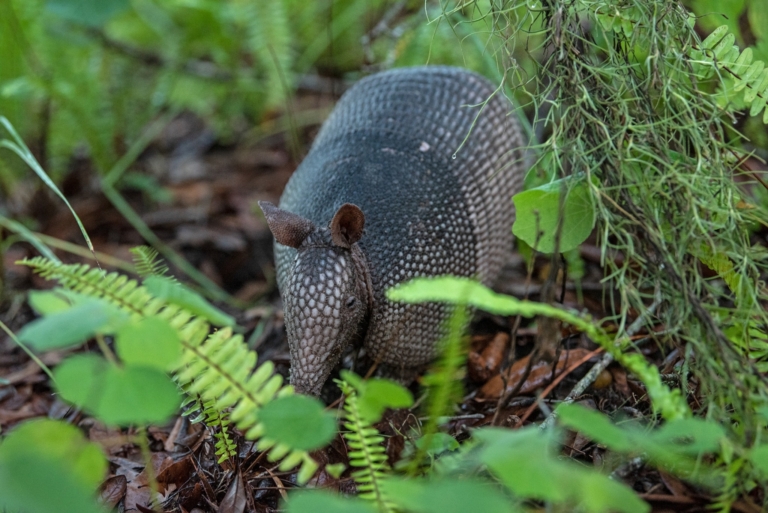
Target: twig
[
  {"x": 604, "y": 362},
  {"x": 556, "y": 382}
]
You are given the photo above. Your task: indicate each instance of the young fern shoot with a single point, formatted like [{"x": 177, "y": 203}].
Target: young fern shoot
[{"x": 366, "y": 452}]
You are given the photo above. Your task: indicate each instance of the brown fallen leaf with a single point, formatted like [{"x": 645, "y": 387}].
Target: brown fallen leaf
[
  {"x": 484, "y": 364},
  {"x": 112, "y": 491},
  {"x": 673, "y": 484},
  {"x": 235, "y": 500},
  {"x": 138, "y": 492},
  {"x": 541, "y": 372},
  {"x": 177, "y": 473}
]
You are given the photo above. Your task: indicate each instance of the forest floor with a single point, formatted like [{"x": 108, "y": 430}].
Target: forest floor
[{"x": 210, "y": 216}]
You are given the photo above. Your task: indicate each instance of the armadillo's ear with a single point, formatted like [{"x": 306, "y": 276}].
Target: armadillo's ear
[
  {"x": 347, "y": 225},
  {"x": 289, "y": 229}
]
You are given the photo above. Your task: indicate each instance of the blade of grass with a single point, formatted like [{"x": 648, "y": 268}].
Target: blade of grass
[{"x": 19, "y": 148}]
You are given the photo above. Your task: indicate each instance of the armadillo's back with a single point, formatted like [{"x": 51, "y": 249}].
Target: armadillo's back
[{"x": 432, "y": 156}]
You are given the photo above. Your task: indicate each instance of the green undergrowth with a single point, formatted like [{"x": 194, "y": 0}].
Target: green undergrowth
[
  {"x": 153, "y": 350},
  {"x": 638, "y": 146}
]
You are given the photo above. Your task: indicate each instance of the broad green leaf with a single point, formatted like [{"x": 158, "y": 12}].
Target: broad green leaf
[
  {"x": 73, "y": 326},
  {"x": 324, "y": 502},
  {"x": 180, "y": 295},
  {"x": 118, "y": 396},
  {"x": 376, "y": 395},
  {"x": 36, "y": 483},
  {"x": 691, "y": 436},
  {"x": 151, "y": 342},
  {"x": 605, "y": 20},
  {"x": 59, "y": 441},
  {"x": 49, "y": 301},
  {"x": 298, "y": 421},
  {"x": 438, "y": 443},
  {"x": 599, "y": 494},
  {"x": 48, "y": 465},
  {"x": 759, "y": 458},
  {"x": 447, "y": 495},
  {"x": 538, "y": 211},
  {"x": 93, "y": 13},
  {"x": 595, "y": 426},
  {"x": 78, "y": 378},
  {"x": 522, "y": 460}
]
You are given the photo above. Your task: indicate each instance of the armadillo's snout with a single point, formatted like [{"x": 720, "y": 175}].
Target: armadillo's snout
[{"x": 322, "y": 315}]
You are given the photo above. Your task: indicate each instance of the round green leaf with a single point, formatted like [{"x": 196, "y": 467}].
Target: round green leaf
[
  {"x": 118, "y": 396},
  {"x": 72, "y": 326},
  {"x": 138, "y": 395},
  {"x": 151, "y": 342},
  {"x": 298, "y": 421},
  {"x": 380, "y": 394},
  {"x": 48, "y": 301},
  {"x": 56, "y": 440},
  {"x": 324, "y": 502},
  {"x": 447, "y": 496},
  {"x": 600, "y": 494},
  {"x": 595, "y": 426},
  {"x": 79, "y": 379},
  {"x": 537, "y": 212}
]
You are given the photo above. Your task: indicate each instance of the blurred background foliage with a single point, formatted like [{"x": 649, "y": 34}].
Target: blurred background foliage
[{"x": 86, "y": 77}]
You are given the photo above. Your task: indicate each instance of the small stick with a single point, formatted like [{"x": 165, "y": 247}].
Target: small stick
[
  {"x": 556, "y": 382},
  {"x": 606, "y": 360}
]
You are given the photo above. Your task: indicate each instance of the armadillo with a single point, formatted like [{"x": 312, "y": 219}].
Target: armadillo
[{"x": 411, "y": 175}]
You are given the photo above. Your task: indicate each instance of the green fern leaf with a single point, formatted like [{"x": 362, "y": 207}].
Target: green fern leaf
[
  {"x": 147, "y": 262},
  {"x": 714, "y": 38},
  {"x": 216, "y": 368},
  {"x": 752, "y": 72},
  {"x": 269, "y": 36},
  {"x": 747, "y": 74},
  {"x": 724, "y": 48},
  {"x": 366, "y": 452},
  {"x": 743, "y": 62},
  {"x": 755, "y": 86}
]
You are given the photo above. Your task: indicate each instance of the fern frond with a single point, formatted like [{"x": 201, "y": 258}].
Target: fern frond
[
  {"x": 718, "y": 52},
  {"x": 269, "y": 37},
  {"x": 148, "y": 262},
  {"x": 366, "y": 452},
  {"x": 217, "y": 367},
  {"x": 216, "y": 421}
]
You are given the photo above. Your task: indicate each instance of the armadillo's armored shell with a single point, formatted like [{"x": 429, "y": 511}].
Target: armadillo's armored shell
[{"x": 432, "y": 156}]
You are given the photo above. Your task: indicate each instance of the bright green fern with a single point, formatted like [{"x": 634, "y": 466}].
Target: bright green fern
[
  {"x": 718, "y": 52},
  {"x": 147, "y": 262},
  {"x": 217, "y": 367},
  {"x": 366, "y": 451},
  {"x": 216, "y": 421}
]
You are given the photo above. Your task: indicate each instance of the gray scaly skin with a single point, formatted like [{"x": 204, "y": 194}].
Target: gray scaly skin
[{"x": 380, "y": 199}]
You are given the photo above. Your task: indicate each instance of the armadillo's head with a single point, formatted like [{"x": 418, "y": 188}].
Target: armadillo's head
[{"x": 327, "y": 295}]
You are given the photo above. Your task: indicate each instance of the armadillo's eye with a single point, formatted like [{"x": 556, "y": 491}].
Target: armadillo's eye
[{"x": 351, "y": 301}]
